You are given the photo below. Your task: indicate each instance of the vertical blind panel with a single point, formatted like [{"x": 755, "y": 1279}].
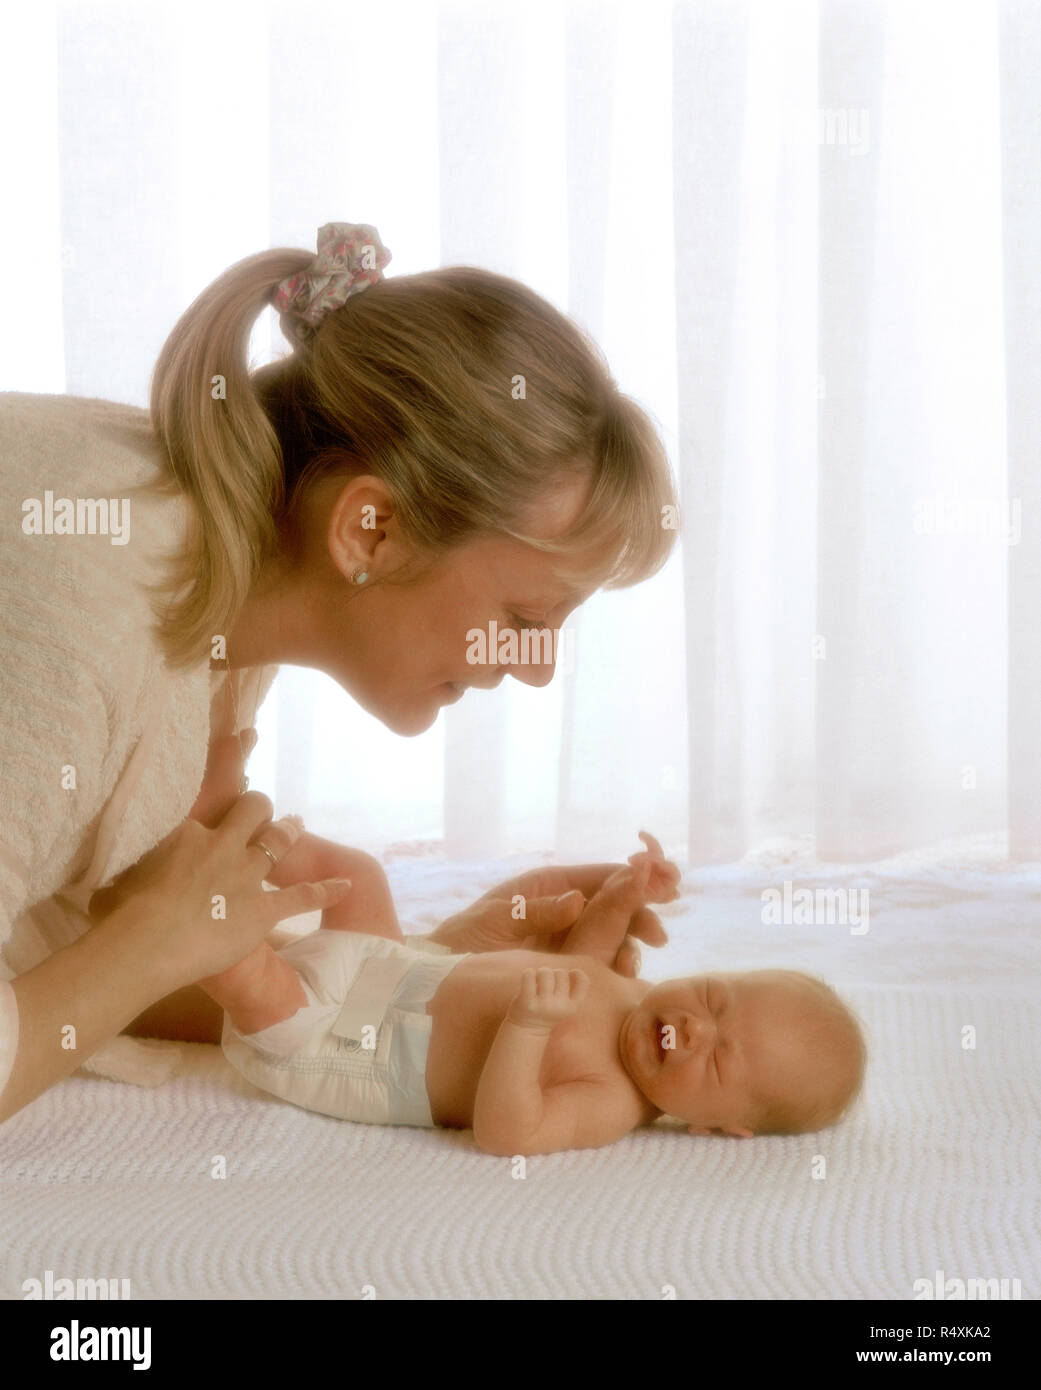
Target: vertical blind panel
[
  {"x": 36, "y": 249},
  {"x": 854, "y": 813},
  {"x": 709, "y": 67},
  {"x": 1020, "y": 53},
  {"x": 910, "y": 435},
  {"x": 480, "y": 98},
  {"x": 118, "y": 101}
]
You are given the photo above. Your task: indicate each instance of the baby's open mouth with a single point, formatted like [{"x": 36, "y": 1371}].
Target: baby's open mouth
[{"x": 659, "y": 1046}]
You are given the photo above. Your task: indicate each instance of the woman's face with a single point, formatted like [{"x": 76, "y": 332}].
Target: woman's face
[{"x": 406, "y": 650}]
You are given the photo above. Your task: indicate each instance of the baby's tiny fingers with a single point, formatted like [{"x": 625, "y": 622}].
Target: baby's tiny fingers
[{"x": 652, "y": 844}]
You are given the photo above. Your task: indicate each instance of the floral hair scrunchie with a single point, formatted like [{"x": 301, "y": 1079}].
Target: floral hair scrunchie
[{"x": 350, "y": 258}]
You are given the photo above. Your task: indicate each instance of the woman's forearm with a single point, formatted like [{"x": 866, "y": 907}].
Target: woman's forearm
[{"x": 77, "y": 999}]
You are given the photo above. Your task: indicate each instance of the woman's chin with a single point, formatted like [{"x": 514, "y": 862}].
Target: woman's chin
[{"x": 410, "y": 720}]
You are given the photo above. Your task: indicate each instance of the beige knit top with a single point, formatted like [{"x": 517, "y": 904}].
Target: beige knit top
[{"x": 102, "y": 746}]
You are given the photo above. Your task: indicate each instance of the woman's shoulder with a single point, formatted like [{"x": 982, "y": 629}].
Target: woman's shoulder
[
  {"x": 51, "y": 411},
  {"x": 71, "y": 437},
  {"x": 57, "y": 403},
  {"x": 82, "y": 535}
]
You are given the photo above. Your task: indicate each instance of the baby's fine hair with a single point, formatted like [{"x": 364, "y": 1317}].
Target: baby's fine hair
[
  {"x": 822, "y": 1107},
  {"x": 464, "y": 391}
]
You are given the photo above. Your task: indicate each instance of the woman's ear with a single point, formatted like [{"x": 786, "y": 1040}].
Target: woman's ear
[{"x": 360, "y": 514}]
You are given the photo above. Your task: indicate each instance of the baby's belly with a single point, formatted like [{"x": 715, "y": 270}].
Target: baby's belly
[{"x": 467, "y": 1009}]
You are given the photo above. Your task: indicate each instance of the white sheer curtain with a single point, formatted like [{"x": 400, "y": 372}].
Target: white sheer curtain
[{"x": 808, "y": 237}]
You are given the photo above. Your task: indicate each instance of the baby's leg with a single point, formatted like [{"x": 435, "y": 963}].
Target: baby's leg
[
  {"x": 187, "y": 1015},
  {"x": 261, "y": 990},
  {"x": 258, "y": 991},
  {"x": 368, "y": 907}
]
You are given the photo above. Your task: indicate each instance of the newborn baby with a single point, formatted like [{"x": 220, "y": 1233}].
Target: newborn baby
[{"x": 536, "y": 1053}]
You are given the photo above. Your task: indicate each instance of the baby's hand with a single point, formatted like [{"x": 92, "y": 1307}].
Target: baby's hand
[
  {"x": 547, "y": 996},
  {"x": 651, "y": 878},
  {"x": 662, "y": 874}
]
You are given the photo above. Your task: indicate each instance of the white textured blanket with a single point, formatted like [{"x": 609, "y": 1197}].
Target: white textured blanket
[{"x": 937, "y": 1170}]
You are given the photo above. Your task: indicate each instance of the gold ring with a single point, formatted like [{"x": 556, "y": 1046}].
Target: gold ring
[{"x": 257, "y": 845}]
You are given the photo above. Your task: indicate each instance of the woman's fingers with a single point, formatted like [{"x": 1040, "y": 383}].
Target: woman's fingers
[
  {"x": 545, "y": 915},
  {"x": 273, "y": 841},
  {"x": 646, "y": 925},
  {"x": 627, "y": 886},
  {"x": 248, "y": 814},
  {"x": 628, "y": 960},
  {"x": 305, "y": 897},
  {"x": 555, "y": 879},
  {"x": 221, "y": 784}
]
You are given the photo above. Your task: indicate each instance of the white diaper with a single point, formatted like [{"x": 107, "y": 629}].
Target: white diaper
[{"x": 358, "y": 1049}]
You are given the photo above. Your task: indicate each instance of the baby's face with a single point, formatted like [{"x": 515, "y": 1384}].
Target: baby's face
[{"x": 709, "y": 1049}]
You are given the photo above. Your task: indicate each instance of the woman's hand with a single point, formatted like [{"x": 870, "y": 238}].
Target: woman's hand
[
  {"x": 222, "y": 784},
  {"x": 199, "y": 890},
  {"x": 554, "y": 901}
]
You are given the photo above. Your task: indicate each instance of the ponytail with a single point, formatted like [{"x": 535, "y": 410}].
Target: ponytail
[{"x": 220, "y": 449}]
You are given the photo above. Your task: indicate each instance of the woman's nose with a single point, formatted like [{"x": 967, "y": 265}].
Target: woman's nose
[{"x": 535, "y": 673}]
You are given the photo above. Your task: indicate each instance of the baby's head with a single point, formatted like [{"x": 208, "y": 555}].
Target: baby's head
[{"x": 750, "y": 1052}]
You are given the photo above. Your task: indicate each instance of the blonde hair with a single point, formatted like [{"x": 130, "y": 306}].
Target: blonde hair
[
  {"x": 465, "y": 392},
  {"x": 835, "y": 1027}
]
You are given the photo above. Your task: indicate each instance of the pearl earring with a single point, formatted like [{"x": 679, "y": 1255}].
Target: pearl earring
[{"x": 359, "y": 576}]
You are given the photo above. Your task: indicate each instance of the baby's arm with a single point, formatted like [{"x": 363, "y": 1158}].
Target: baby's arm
[
  {"x": 513, "y": 1113},
  {"x": 604, "y": 923}
]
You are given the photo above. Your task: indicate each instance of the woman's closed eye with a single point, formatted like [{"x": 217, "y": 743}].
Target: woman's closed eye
[{"x": 517, "y": 621}]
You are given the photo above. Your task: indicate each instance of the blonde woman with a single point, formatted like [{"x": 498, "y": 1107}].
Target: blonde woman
[{"x": 439, "y": 451}]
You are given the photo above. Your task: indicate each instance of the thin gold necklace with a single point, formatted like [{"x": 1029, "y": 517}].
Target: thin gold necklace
[{"x": 231, "y": 684}]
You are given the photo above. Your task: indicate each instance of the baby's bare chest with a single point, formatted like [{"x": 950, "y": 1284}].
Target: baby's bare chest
[{"x": 468, "y": 1010}]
